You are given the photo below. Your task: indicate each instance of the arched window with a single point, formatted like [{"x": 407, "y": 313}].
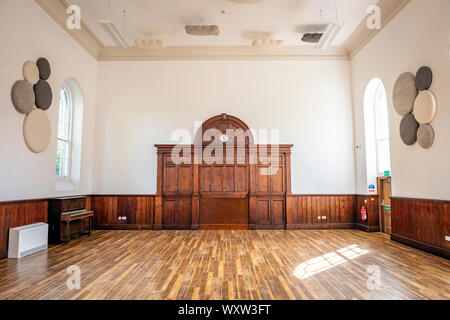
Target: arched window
[
  {"x": 70, "y": 130},
  {"x": 64, "y": 144},
  {"x": 376, "y": 121}
]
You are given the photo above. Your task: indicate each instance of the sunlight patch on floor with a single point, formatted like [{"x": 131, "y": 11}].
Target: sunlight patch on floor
[{"x": 327, "y": 261}]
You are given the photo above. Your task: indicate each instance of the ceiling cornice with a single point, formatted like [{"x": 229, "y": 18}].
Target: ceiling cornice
[
  {"x": 220, "y": 53},
  {"x": 87, "y": 39},
  {"x": 362, "y": 34}
]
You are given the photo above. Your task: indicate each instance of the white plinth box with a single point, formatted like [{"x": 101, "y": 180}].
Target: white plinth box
[{"x": 27, "y": 240}]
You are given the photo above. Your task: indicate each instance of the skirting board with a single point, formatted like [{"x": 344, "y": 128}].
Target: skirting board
[{"x": 442, "y": 252}]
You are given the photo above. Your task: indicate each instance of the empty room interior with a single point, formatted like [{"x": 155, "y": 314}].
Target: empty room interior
[{"x": 225, "y": 150}]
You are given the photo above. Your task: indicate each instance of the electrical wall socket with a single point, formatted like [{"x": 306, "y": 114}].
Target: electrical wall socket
[
  {"x": 324, "y": 217},
  {"x": 447, "y": 238},
  {"x": 319, "y": 218}
]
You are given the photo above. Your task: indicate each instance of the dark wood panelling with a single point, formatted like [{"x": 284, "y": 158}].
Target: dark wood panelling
[
  {"x": 370, "y": 203},
  {"x": 217, "y": 213},
  {"x": 422, "y": 224},
  {"x": 19, "y": 213},
  {"x": 223, "y": 174},
  {"x": 320, "y": 211},
  {"x": 138, "y": 210}
]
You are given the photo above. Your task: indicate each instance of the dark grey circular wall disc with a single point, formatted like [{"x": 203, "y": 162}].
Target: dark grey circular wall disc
[
  {"x": 22, "y": 96},
  {"x": 425, "y": 136},
  {"x": 424, "y": 77},
  {"x": 408, "y": 129},
  {"x": 44, "y": 68},
  {"x": 43, "y": 94}
]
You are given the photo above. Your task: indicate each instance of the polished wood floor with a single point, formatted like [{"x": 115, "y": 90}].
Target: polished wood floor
[{"x": 228, "y": 265}]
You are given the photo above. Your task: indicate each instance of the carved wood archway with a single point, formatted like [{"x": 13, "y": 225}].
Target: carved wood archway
[{"x": 222, "y": 123}]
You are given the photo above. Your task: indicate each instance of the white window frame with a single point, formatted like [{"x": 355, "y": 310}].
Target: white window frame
[
  {"x": 70, "y": 141},
  {"x": 376, "y": 104}
]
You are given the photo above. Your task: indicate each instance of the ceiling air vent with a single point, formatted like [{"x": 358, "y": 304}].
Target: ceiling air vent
[
  {"x": 202, "y": 30},
  {"x": 312, "y": 37}
]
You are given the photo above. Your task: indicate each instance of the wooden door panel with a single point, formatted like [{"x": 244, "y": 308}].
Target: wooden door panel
[
  {"x": 183, "y": 213},
  {"x": 263, "y": 211},
  {"x": 222, "y": 212},
  {"x": 184, "y": 184},
  {"x": 241, "y": 179},
  {"x": 277, "y": 181},
  {"x": 169, "y": 211},
  {"x": 217, "y": 179},
  {"x": 262, "y": 181},
  {"x": 170, "y": 179},
  {"x": 205, "y": 179},
  {"x": 277, "y": 212},
  {"x": 229, "y": 179}
]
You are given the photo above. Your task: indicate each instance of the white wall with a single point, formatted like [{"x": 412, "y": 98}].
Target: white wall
[
  {"x": 28, "y": 33},
  {"x": 417, "y": 36},
  {"x": 139, "y": 104}
]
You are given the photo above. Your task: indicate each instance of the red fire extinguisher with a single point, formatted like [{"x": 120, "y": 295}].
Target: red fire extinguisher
[{"x": 363, "y": 214}]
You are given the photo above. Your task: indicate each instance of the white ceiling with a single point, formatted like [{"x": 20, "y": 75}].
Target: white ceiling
[{"x": 239, "y": 24}]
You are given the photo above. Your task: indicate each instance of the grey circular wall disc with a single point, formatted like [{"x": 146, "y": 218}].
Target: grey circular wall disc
[
  {"x": 43, "y": 94},
  {"x": 425, "y": 136},
  {"x": 408, "y": 129},
  {"x": 424, "y": 78},
  {"x": 44, "y": 68},
  {"x": 22, "y": 96},
  {"x": 404, "y": 94}
]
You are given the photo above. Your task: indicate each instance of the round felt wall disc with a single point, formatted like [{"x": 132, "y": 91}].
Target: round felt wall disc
[
  {"x": 30, "y": 72},
  {"x": 405, "y": 92},
  {"x": 425, "y": 136},
  {"x": 424, "y": 77},
  {"x": 37, "y": 131},
  {"x": 43, "y": 94},
  {"x": 425, "y": 107},
  {"x": 44, "y": 68},
  {"x": 408, "y": 129},
  {"x": 22, "y": 96}
]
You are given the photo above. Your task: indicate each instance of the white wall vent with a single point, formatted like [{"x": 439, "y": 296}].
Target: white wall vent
[{"x": 27, "y": 240}]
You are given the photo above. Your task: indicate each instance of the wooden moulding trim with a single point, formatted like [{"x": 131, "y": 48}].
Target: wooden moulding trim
[
  {"x": 363, "y": 35},
  {"x": 421, "y": 199},
  {"x": 442, "y": 252},
  {"x": 367, "y": 228},
  {"x": 121, "y": 195},
  {"x": 320, "y": 226}
]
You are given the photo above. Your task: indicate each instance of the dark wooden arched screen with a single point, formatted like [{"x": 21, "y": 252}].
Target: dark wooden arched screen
[{"x": 235, "y": 193}]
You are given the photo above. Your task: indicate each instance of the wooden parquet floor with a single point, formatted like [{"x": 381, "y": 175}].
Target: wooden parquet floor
[{"x": 229, "y": 265}]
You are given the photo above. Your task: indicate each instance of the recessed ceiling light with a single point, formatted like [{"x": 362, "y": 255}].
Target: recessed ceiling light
[
  {"x": 149, "y": 44},
  {"x": 267, "y": 43},
  {"x": 202, "y": 30}
]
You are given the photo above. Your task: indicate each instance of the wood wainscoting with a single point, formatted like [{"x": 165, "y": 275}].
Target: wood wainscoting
[
  {"x": 19, "y": 213},
  {"x": 320, "y": 212},
  {"x": 123, "y": 212},
  {"x": 422, "y": 224}
]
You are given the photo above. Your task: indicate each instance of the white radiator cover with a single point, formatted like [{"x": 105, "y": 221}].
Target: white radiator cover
[{"x": 27, "y": 240}]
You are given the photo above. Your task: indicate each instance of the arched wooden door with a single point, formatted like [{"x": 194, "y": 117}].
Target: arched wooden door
[{"x": 224, "y": 173}]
